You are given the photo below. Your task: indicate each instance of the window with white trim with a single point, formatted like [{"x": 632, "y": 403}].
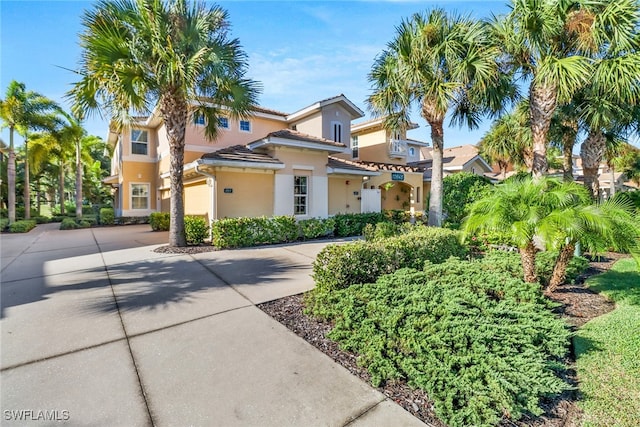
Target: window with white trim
[
  {"x": 412, "y": 151},
  {"x": 139, "y": 196},
  {"x": 245, "y": 126},
  {"x": 223, "y": 122},
  {"x": 198, "y": 119},
  {"x": 354, "y": 147},
  {"x": 139, "y": 142},
  {"x": 336, "y": 129},
  {"x": 300, "y": 195}
]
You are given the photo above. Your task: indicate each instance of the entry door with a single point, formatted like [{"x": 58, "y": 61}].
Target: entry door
[{"x": 371, "y": 201}]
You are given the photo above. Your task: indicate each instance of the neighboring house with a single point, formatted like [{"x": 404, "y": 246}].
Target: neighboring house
[
  {"x": 312, "y": 163},
  {"x": 464, "y": 158}
]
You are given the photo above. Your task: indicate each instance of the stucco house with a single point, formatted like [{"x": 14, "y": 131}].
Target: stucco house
[{"x": 314, "y": 162}]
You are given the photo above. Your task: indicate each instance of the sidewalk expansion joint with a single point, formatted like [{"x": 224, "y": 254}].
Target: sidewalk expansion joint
[
  {"x": 366, "y": 411},
  {"x": 216, "y": 275}
]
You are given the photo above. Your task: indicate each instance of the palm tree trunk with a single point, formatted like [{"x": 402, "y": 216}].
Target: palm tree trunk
[
  {"x": 27, "y": 190},
  {"x": 528, "y": 257},
  {"x": 78, "y": 182},
  {"x": 61, "y": 188},
  {"x": 560, "y": 269},
  {"x": 38, "y": 196},
  {"x": 542, "y": 101},
  {"x": 436, "y": 193},
  {"x": 568, "y": 141},
  {"x": 174, "y": 112},
  {"x": 11, "y": 179},
  {"x": 592, "y": 151}
]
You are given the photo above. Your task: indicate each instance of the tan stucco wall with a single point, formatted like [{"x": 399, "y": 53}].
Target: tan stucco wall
[
  {"x": 341, "y": 197},
  {"x": 476, "y": 167},
  {"x": 311, "y": 125},
  {"x": 140, "y": 173},
  {"x": 252, "y": 194},
  {"x": 197, "y": 199},
  {"x": 412, "y": 181},
  {"x": 260, "y": 127},
  {"x": 373, "y": 146},
  {"x": 335, "y": 113},
  {"x": 292, "y": 157}
]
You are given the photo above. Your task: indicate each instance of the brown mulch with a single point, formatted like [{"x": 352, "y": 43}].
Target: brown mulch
[{"x": 578, "y": 306}]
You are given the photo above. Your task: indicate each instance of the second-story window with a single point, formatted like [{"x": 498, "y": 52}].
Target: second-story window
[
  {"x": 412, "y": 151},
  {"x": 198, "y": 119},
  {"x": 223, "y": 122},
  {"x": 245, "y": 126},
  {"x": 354, "y": 147},
  {"x": 139, "y": 142},
  {"x": 336, "y": 129}
]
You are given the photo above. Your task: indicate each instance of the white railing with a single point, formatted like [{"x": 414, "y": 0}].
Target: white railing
[{"x": 397, "y": 148}]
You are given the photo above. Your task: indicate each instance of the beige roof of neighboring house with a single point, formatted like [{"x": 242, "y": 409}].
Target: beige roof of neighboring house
[{"x": 453, "y": 159}]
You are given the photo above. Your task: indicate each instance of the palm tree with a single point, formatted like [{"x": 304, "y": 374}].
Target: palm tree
[
  {"x": 540, "y": 41},
  {"x": 178, "y": 57},
  {"x": 563, "y": 134},
  {"x": 508, "y": 141},
  {"x": 22, "y": 111},
  {"x": 596, "y": 227},
  {"x": 445, "y": 64},
  {"x": 516, "y": 208}
]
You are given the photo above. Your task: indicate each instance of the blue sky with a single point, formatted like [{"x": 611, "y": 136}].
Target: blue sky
[{"x": 301, "y": 51}]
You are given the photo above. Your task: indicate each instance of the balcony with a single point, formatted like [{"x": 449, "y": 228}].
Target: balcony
[{"x": 398, "y": 149}]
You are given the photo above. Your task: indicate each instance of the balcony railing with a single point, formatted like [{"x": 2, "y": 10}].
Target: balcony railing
[{"x": 397, "y": 148}]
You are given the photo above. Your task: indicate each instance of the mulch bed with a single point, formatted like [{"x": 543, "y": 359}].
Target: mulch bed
[{"x": 578, "y": 306}]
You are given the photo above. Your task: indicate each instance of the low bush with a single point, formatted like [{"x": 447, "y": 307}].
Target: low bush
[
  {"x": 340, "y": 266},
  {"x": 195, "y": 229},
  {"x": 483, "y": 344},
  {"x": 132, "y": 220},
  {"x": 459, "y": 190},
  {"x": 42, "y": 219},
  {"x": 4, "y": 224},
  {"x": 69, "y": 224},
  {"x": 314, "y": 228},
  {"x": 91, "y": 219},
  {"x": 107, "y": 216},
  {"x": 22, "y": 226},
  {"x": 545, "y": 261},
  {"x": 353, "y": 224},
  {"x": 159, "y": 221},
  {"x": 383, "y": 230},
  {"x": 242, "y": 232}
]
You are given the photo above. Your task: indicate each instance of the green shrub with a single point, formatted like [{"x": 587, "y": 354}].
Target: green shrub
[
  {"x": 459, "y": 190},
  {"x": 340, "y": 266},
  {"x": 195, "y": 229},
  {"x": 68, "y": 224},
  {"x": 397, "y": 216},
  {"x": 91, "y": 219},
  {"x": 545, "y": 261},
  {"x": 316, "y": 227},
  {"x": 84, "y": 223},
  {"x": 383, "y": 230},
  {"x": 4, "y": 224},
  {"x": 242, "y": 232},
  {"x": 159, "y": 221},
  {"x": 42, "y": 219},
  {"x": 22, "y": 226},
  {"x": 107, "y": 216},
  {"x": 353, "y": 224},
  {"x": 131, "y": 220},
  {"x": 482, "y": 343}
]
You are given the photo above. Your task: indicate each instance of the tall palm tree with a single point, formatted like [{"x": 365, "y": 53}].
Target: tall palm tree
[
  {"x": 174, "y": 55},
  {"x": 563, "y": 134},
  {"x": 444, "y": 64},
  {"x": 22, "y": 111},
  {"x": 541, "y": 40}
]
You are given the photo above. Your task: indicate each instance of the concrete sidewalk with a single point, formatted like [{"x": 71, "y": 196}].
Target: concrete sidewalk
[{"x": 97, "y": 329}]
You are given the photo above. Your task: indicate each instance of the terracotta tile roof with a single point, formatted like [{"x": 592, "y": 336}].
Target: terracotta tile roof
[
  {"x": 299, "y": 136},
  {"x": 240, "y": 153},
  {"x": 392, "y": 167},
  {"x": 336, "y": 163}
]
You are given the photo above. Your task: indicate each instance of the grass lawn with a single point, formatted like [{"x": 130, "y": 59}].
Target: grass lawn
[{"x": 608, "y": 352}]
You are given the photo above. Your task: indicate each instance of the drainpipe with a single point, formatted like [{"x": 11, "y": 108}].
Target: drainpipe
[{"x": 213, "y": 206}]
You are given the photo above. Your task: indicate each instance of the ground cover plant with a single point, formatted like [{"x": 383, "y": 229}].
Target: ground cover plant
[
  {"x": 481, "y": 342},
  {"x": 607, "y": 350}
]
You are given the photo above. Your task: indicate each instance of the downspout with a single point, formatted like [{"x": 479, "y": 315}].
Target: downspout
[{"x": 213, "y": 206}]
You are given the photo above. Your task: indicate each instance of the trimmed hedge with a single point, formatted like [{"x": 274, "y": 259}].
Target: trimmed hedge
[
  {"x": 314, "y": 228},
  {"x": 22, "y": 226},
  {"x": 159, "y": 221},
  {"x": 107, "y": 216},
  {"x": 73, "y": 224},
  {"x": 195, "y": 229},
  {"x": 340, "y": 266},
  {"x": 483, "y": 344},
  {"x": 242, "y": 232},
  {"x": 353, "y": 224}
]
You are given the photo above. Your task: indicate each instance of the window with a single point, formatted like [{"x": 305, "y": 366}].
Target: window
[
  {"x": 396, "y": 135},
  {"x": 412, "y": 151},
  {"x": 198, "y": 119},
  {"x": 354, "y": 147},
  {"x": 245, "y": 125},
  {"x": 139, "y": 142},
  {"x": 337, "y": 131},
  {"x": 223, "y": 122},
  {"x": 300, "y": 195},
  {"x": 139, "y": 196}
]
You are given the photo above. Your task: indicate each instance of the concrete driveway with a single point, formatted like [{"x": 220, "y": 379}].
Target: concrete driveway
[{"x": 99, "y": 330}]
